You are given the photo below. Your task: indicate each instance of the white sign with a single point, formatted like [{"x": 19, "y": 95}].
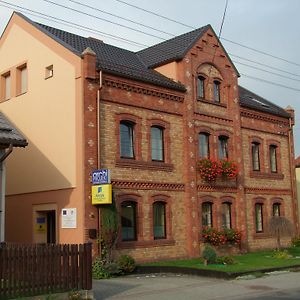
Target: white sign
[{"x": 69, "y": 218}]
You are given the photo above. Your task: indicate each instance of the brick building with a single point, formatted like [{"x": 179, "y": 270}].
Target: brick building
[{"x": 149, "y": 117}]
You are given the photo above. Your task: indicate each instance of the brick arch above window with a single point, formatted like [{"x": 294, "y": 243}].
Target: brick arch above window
[
  {"x": 260, "y": 143},
  {"x": 210, "y": 70},
  {"x": 277, "y": 145},
  {"x": 280, "y": 201},
  {"x": 167, "y": 200},
  {"x": 137, "y": 199},
  {"x": 166, "y": 138},
  {"x": 125, "y": 117}
]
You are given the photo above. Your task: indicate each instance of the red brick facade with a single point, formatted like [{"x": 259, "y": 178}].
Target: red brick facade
[{"x": 176, "y": 181}]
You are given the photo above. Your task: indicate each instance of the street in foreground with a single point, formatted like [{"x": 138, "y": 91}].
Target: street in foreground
[{"x": 279, "y": 286}]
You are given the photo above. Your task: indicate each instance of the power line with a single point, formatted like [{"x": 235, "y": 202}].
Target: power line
[
  {"x": 143, "y": 32},
  {"x": 191, "y": 27},
  {"x": 102, "y": 19},
  {"x": 271, "y": 82},
  {"x": 77, "y": 26},
  {"x": 260, "y": 69},
  {"x": 262, "y": 64},
  {"x": 122, "y": 18}
]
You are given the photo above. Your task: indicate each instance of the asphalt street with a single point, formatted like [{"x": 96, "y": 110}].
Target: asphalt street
[{"x": 277, "y": 286}]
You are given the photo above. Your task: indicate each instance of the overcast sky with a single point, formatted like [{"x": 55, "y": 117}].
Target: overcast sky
[{"x": 270, "y": 26}]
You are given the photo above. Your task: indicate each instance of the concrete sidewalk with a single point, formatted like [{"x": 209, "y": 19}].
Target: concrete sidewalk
[{"x": 180, "y": 287}]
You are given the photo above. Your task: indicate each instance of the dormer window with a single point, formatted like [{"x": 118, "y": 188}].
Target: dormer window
[
  {"x": 217, "y": 96},
  {"x": 200, "y": 92}
]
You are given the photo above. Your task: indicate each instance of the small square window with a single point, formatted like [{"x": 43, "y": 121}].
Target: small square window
[
  {"x": 49, "y": 72},
  {"x": 22, "y": 79},
  {"x": 6, "y": 86}
]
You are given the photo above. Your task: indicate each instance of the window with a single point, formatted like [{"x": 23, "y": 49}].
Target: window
[
  {"x": 255, "y": 156},
  {"x": 259, "y": 217},
  {"x": 128, "y": 221},
  {"x": 126, "y": 139},
  {"x": 204, "y": 145},
  {"x": 22, "y": 79},
  {"x": 6, "y": 88},
  {"x": 226, "y": 215},
  {"x": 157, "y": 143},
  {"x": 223, "y": 147},
  {"x": 207, "y": 214},
  {"x": 273, "y": 158},
  {"x": 276, "y": 209},
  {"x": 49, "y": 72},
  {"x": 200, "y": 91},
  {"x": 159, "y": 220},
  {"x": 217, "y": 96}
]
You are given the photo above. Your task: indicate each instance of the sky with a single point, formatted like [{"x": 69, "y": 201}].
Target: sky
[{"x": 268, "y": 26}]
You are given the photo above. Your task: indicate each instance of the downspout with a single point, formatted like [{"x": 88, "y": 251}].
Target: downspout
[
  {"x": 292, "y": 166},
  {"x": 4, "y": 155},
  {"x": 98, "y": 157}
]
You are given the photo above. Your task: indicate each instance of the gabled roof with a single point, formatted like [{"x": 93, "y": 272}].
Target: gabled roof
[
  {"x": 110, "y": 59},
  {"x": 171, "y": 50},
  {"x": 9, "y": 134},
  {"x": 176, "y": 48},
  {"x": 253, "y": 101}
]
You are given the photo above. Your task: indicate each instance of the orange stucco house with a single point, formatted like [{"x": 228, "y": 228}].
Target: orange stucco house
[{"x": 149, "y": 117}]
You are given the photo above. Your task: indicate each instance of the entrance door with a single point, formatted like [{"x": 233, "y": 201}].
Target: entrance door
[{"x": 51, "y": 227}]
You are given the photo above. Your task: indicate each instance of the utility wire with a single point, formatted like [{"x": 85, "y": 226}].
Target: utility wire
[
  {"x": 191, "y": 27},
  {"x": 74, "y": 25},
  {"x": 122, "y": 18}
]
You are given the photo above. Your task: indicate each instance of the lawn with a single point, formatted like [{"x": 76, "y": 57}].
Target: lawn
[{"x": 244, "y": 263}]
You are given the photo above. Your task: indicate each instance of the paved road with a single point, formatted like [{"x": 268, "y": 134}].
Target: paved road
[{"x": 283, "y": 286}]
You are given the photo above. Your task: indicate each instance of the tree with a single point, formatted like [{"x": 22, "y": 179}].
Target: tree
[{"x": 278, "y": 227}]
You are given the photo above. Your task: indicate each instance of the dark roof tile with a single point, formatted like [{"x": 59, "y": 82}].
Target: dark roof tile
[
  {"x": 9, "y": 134},
  {"x": 250, "y": 100}
]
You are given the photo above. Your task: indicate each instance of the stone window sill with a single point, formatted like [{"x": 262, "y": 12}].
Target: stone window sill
[
  {"x": 211, "y": 102},
  {"x": 137, "y": 164},
  {"x": 145, "y": 244}
]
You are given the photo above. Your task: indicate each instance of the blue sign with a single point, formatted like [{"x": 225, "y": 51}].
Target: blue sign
[{"x": 101, "y": 176}]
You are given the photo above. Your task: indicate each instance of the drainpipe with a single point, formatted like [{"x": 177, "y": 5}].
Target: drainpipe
[
  {"x": 4, "y": 154},
  {"x": 98, "y": 156}
]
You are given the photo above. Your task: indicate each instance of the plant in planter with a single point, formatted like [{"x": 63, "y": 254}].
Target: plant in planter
[
  {"x": 209, "y": 169},
  {"x": 229, "y": 169}
]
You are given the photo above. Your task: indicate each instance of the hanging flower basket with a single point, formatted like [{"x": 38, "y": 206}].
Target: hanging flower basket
[
  {"x": 210, "y": 169},
  {"x": 229, "y": 169}
]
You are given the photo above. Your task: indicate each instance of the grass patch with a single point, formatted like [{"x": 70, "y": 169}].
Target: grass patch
[{"x": 244, "y": 263}]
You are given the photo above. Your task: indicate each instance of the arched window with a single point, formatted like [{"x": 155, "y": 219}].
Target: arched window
[
  {"x": 276, "y": 209},
  {"x": 207, "y": 214},
  {"x": 223, "y": 146},
  {"x": 157, "y": 143},
  {"x": 159, "y": 220},
  {"x": 128, "y": 221},
  {"x": 255, "y": 156},
  {"x": 201, "y": 87},
  {"x": 259, "y": 217},
  {"x": 226, "y": 215},
  {"x": 217, "y": 95},
  {"x": 126, "y": 139},
  {"x": 273, "y": 158},
  {"x": 203, "y": 145}
]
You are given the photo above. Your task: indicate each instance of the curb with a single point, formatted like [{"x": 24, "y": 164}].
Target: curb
[{"x": 203, "y": 272}]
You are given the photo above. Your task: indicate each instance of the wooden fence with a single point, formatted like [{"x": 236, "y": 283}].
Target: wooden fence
[{"x": 27, "y": 270}]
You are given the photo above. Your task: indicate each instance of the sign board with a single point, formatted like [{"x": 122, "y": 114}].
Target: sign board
[
  {"x": 40, "y": 225},
  {"x": 102, "y": 194},
  {"x": 101, "y": 176},
  {"x": 69, "y": 218}
]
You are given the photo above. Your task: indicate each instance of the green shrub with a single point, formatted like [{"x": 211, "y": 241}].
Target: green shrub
[
  {"x": 281, "y": 254},
  {"x": 296, "y": 242},
  {"x": 295, "y": 251},
  {"x": 98, "y": 269},
  {"x": 126, "y": 263},
  {"x": 226, "y": 260},
  {"x": 113, "y": 269},
  {"x": 209, "y": 254},
  {"x": 74, "y": 295}
]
